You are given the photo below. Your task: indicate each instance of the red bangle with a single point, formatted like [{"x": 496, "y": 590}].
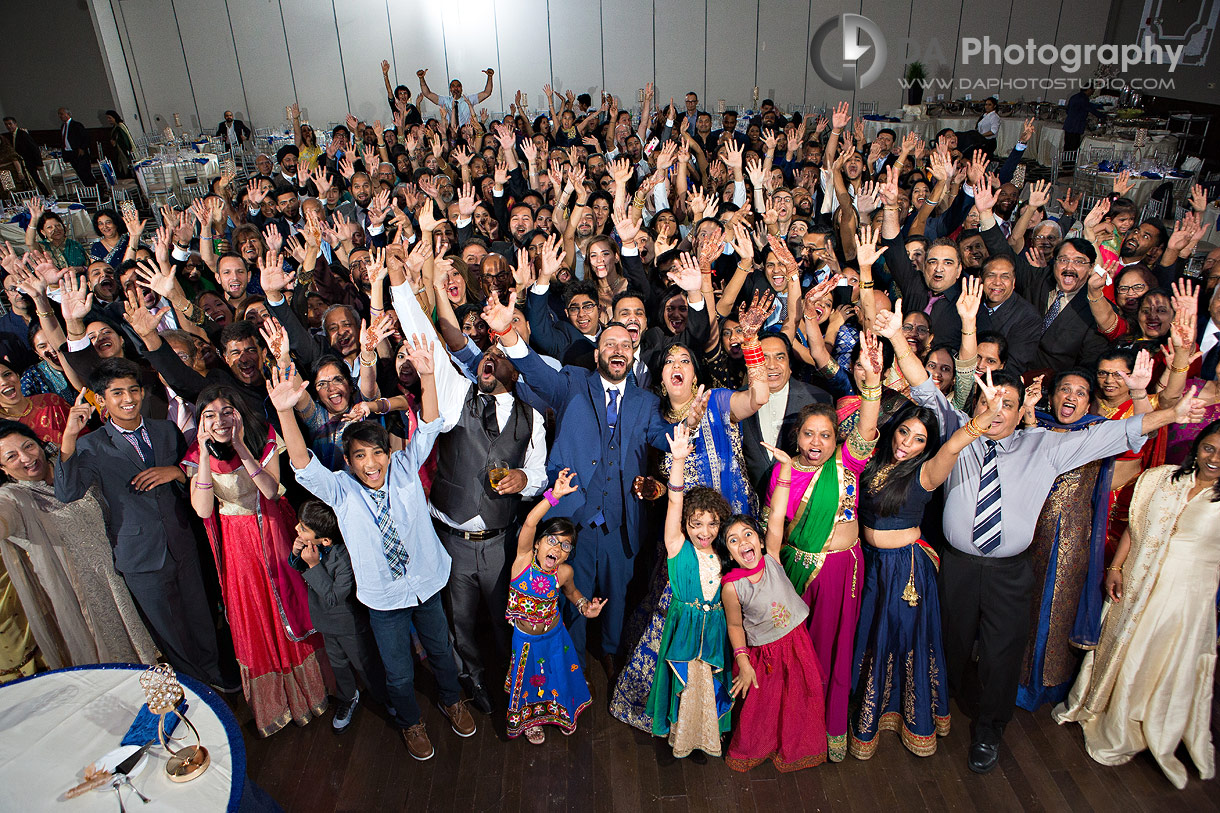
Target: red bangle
[
  {"x": 499, "y": 333},
  {"x": 753, "y": 354}
]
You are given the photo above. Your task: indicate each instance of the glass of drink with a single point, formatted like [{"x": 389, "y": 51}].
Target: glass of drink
[{"x": 497, "y": 470}]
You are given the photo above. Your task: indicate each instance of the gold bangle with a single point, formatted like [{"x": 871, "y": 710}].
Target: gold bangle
[
  {"x": 1180, "y": 369},
  {"x": 866, "y": 285},
  {"x": 967, "y": 332},
  {"x": 1091, "y": 299},
  {"x": 898, "y": 358},
  {"x": 364, "y": 363},
  {"x": 47, "y": 314},
  {"x": 1112, "y": 567}
]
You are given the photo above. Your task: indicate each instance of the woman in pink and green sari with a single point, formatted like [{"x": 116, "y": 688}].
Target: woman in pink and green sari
[{"x": 821, "y": 552}]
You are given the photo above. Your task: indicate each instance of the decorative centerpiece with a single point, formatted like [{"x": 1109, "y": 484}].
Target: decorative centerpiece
[{"x": 163, "y": 693}]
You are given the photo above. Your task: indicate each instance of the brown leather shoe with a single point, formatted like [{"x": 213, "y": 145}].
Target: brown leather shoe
[
  {"x": 418, "y": 744},
  {"x": 460, "y": 719}
]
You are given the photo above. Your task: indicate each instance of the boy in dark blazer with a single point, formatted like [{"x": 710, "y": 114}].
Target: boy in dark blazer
[
  {"x": 134, "y": 461},
  {"x": 322, "y": 558}
]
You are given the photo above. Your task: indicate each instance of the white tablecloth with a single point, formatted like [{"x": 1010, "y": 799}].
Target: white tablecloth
[
  {"x": 79, "y": 223},
  {"x": 1165, "y": 147},
  {"x": 54, "y": 724},
  {"x": 206, "y": 165},
  {"x": 1046, "y": 144}
]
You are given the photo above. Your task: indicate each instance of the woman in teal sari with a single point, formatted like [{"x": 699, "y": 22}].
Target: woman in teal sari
[{"x": 1068, "y": 550}]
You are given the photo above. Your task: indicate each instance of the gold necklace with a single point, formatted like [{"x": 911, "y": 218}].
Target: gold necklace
[
  {"x": 28, "y": 406},
  {"x": 796, "y": 464},
  {"x": 673, "y": 415},
  {"x": 883, "y": 475}
]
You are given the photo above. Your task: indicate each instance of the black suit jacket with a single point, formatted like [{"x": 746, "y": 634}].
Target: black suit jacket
[
  {"x": 1072, "y": 340},
  {"x": 78, "y": 137},
  {"x": 144, "y": 526},
  {"x": 1021, "y": 324},
  {"x": 946, "y": 324},
  {"x": 758, "y": 461},
  {"x": 239, "y": 127},
  {"x": 25, "y": 146}
]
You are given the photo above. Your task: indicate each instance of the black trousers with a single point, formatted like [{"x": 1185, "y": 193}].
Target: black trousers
[
  {"x": 175, "y": 607},
  {"x": 354, "y": 653},
  {"x": 987, "y": 600},
  {"x": 479, "y": 574},
  {"x": 83, "y": 165}
]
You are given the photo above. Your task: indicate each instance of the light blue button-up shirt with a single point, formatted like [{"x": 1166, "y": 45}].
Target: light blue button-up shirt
[{"x": 428, "y": 570}]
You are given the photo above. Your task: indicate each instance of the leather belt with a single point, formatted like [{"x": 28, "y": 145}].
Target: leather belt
[{"x": 470, "y": 536}]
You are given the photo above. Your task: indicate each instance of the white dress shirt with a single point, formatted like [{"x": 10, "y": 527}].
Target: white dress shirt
[{"x": 771, "y": 416}]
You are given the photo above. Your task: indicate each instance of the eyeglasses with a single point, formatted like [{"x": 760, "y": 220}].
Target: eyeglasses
[
  {"x": 918, "y": 330},
  {"x": 1079, "y": 262},
  {"x": 587, "y": 307},
  {"x": 1109, "y": 374},
  {"x": 1132, "y": 289},
  {"x": 555, "y": 541},
  {"x": 328, "y": 383}
]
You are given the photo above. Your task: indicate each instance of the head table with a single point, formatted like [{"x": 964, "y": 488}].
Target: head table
[{"x": 54, "y": 724}]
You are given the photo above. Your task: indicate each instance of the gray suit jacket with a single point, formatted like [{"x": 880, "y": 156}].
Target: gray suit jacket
[{"x": 144, "y": 526}]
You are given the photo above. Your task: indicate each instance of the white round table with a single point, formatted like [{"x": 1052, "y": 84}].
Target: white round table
[{"x": 54, "y": 724}]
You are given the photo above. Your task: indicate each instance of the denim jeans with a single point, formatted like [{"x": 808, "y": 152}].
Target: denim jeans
[{"x": 392, "y": 629}]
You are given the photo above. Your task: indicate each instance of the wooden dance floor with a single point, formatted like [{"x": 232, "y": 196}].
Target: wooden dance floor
[{"x": 608, "y": 766}]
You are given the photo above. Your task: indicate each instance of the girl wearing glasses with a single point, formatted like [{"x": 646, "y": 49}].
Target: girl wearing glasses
[{"x": 545, "y": 683}]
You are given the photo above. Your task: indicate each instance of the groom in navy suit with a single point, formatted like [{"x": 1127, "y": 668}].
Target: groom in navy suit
[{"x": 605, "y": 426}]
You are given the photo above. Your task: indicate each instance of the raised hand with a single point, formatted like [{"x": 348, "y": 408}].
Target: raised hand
[
  {"x": 419, "y": 353},
  {"x": 564, "y": 484},
  {"x": 76, "y": 299},
  {"x": 283, "y": 390},
  {"x": 143, "y": 321},
  {"x": 1068, "y": 204},
  {"x": 992, "y": 399},
  {"x": 1040, "y": 194},
  {"x": 78, "y": 416},
  {"x": 156, "y": 278},
  {"x": 272, "y": 277},
  {"x": 753, "y": 316},
  {"x": 969, "y": 299},
  {"x": 372, "y": 335},
  {"x": 889, "y": 323},
  {"x": 1099, "y": 210},
  {"x": 1123, "y": 183},
  {"x": 679, "y": 443},
  {"x": 781, "y": 457},
  {"x": 1027, "y": 130},
  {"x": 867, "y": 251},
  {"x": 276, "y": 338},
  {"x": 1141, "y": 375},
  {"x": 499, "y": 316}
]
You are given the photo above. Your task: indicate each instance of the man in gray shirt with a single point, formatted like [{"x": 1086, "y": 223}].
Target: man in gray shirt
[{"x": 992, "y": 500}]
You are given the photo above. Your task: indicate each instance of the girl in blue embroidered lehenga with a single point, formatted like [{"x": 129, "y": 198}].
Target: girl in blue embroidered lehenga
[
  {"x": 545, "y": 684},
  {"x": 716, "y": 461}
]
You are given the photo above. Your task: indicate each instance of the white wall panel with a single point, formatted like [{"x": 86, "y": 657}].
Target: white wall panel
[
  {"x": 680, "y": 50},
  {"x": 313, "y": 52},
  {"x": 151, "y": 38},
  {"x": 364, "y": 39},
  {"x": 210, "y": 59},
  {"x": 933, "y": 41},
  {"x": 894, "y": 24},
  {"x": 418, "y": 44},
  {"x": 627, "y": 48},
  {"x": 524, "y": 53},
  {"x": 783, "y": 51},
  {"x": 576, "y": 46},
  {"x": 258, "y": 32},
  {"x": 1039, "y": 27},
  {"x": 731, "y": 28}
]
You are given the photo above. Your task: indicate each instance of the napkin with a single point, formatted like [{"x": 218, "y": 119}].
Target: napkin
[{"x": 144, "y": 727}]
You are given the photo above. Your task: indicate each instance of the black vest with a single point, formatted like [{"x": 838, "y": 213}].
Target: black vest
[{"x": 461, "y": 490}]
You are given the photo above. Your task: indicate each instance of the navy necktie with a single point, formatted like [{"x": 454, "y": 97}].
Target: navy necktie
[{"x": 612, "y": 408}]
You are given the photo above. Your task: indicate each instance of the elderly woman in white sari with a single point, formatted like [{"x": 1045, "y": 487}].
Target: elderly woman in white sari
[
  {"x": 1148, "y": 685},
  {"x": 60, "y": 562}
]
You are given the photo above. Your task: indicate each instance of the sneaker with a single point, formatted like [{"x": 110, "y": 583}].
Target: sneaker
[
  {"x": 344, "y": 712},
  {"x": 418, "y": 744},
  {"x": 459, "y": 718}
]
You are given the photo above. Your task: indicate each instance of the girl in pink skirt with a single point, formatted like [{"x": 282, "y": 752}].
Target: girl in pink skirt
[{"x": 783, "y": 714}]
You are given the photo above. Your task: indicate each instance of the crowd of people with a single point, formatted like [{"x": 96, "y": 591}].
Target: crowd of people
[{"x": 797, "y": 436}]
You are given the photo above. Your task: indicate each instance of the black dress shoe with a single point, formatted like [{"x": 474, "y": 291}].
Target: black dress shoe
[
  {"x": 983, "y": 757},
  {"x": 480, "y": 698}
]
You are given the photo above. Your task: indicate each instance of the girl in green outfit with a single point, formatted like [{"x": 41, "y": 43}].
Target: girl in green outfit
[{"x": 690, "y": 701}]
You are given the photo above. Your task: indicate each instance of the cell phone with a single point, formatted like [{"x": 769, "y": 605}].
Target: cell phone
[
  {"x": 127, "y": 209},
  {"x": 652, "y": 145},
  {"x": 841, "y": 295}
]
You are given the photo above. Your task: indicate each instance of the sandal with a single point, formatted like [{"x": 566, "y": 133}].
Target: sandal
[{"x": 535, "y": 735}]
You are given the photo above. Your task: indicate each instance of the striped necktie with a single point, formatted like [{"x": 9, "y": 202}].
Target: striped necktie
[
  {"x": 1053, "y": 311},
  {"x": 987, "y": 515},
  {"x": 395, "y": 551}
]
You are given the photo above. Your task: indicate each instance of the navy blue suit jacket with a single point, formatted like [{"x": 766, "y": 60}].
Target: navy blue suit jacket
[{"x": 579, "y": 401}]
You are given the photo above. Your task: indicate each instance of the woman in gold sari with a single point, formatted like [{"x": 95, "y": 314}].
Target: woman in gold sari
[{"x": 1148, "y": 685}]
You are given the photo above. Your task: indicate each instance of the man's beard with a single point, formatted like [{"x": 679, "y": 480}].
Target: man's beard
[{"x": 603, "y": 367}]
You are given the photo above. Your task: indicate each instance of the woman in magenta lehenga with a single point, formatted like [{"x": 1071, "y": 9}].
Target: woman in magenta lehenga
[{"x": 251, "y": 527}]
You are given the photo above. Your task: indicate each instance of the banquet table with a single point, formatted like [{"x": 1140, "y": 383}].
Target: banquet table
[
  {"x": 54, "y": 724},
  {"x": 207, "y": 165},
  {"x": 1046, "y": 144},
  {"x": 1165, "y": 147}
]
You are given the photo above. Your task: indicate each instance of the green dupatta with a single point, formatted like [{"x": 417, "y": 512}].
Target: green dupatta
[{"x": 815, "y": 521}]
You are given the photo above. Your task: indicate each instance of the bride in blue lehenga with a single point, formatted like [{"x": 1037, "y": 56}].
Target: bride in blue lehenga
[
  {"x": 716, "y": 461},
  {"x": 1068, "y": 556}
]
